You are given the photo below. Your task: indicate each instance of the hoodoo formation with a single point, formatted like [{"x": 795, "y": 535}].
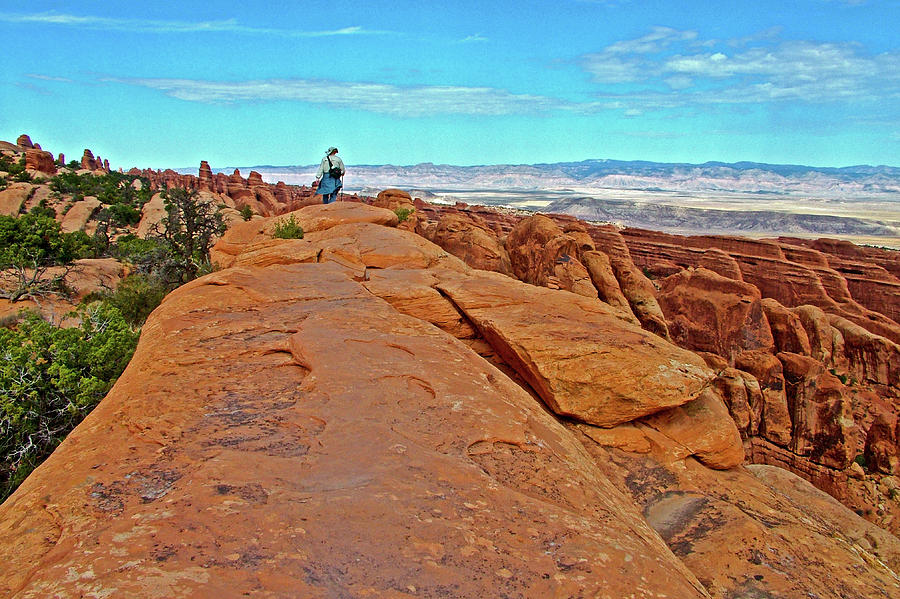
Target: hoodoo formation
[{"x": 477, "y": 403}]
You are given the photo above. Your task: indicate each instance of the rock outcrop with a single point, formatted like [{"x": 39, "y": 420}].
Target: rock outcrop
[
  {"x": 469, "y": 238},
  {"x": 312, "y": 422},
  {"x": 745, "y": 303},
  {"x": 40, "y": 162},
  {"x": 711, "y": 313},
  {"x": 14, "y": 197},
  {"x": 635, "y": 372}
]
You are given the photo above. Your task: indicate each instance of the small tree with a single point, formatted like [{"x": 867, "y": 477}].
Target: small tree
[
  {"x": 188, "y": 231},
  {"x": 29, "y": 246},
  {"x": 50, "y": 379}
]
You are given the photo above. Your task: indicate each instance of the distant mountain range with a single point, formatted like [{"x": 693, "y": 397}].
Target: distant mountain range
[
  {"x": 692, "y": 221},
  {"x": 711, "y": 177},
  {"x": 858, "y": 203}
]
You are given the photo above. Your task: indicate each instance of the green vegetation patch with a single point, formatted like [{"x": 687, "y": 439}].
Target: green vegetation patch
[
  {"x": 15, "y": 168},
  {"x": 403, "y": 213},
  {"x": 288, "y": 229},
  {"x": 29, "y": 245},
  {"x": 118, "y": 191},
  {"x": 50, "y": 379}
]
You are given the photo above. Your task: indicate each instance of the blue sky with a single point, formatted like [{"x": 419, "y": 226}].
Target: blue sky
[{"x": 813, "y": 82}]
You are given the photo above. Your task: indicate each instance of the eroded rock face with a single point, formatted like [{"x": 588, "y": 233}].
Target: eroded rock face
[
  {"x": 355, "y": 444},
  {"x": 469, "y": 239},
  {"x": 822, "y": 417},
  {"x": 641, "y": 295},
  {"x": 24, "y": 142},
  {"x": 604, "y": 279},
  {"x": 709, "y": 312},
  {"x": 775, "y": 420},
  {"x": 783, "y": 276},
  {"x": 340, "y": 442},
  {"x": 869, "y": 356},
  {"x": 89, "y": 162},
  {"x": 578, "y": 354},
  {"x": 883, "y": 444},
  {"x": 787, "y": 328},
  {"x": 743, "y": 397},
  {"x": 40, "y": 161},
  {"x": 541, "y": 254}
]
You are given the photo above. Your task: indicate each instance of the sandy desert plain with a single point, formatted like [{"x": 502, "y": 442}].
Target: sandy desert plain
[{"x": 873, "y": 220}]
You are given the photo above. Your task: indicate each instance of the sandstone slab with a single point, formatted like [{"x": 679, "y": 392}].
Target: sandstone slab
[
  {"x": 311, "y": 219},
  {"x": 604, "y": 279},
  {"x": 334, "y": 453},
  {"x": 13, "y": 198},
  {"x": 470, "y": 240},
  {"x": 754, "y": 536},
  {"x": 578, "y": 354},
  {"x": 78, "y": 215}
]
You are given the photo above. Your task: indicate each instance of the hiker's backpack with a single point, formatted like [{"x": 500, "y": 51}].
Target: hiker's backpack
[{"x": 334, "y": 171}]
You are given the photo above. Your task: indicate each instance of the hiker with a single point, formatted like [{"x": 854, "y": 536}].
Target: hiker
[{"x": 328, "y": 178}]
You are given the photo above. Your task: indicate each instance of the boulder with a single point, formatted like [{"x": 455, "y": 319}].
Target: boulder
[
  {"x": 24, "y": 142},
  {"x": 394, "y": 199},
  {"x": 702, "y": 428},
  {"x": 540, "y": 253},
  {"x": 40, "y": 161},
  {"x": 578, "y": 354}
]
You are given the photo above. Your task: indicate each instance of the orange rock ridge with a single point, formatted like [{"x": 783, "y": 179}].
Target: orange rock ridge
[{"x": 368, "y": 412}]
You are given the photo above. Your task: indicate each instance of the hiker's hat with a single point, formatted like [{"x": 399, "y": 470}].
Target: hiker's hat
[{"x": 330, "y": 150}]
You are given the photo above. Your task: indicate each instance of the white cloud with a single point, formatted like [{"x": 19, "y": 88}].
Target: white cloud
[
  {"x": 173, "y": 27},
  {"x": 657, "y": 40},
  {"x": 48, "y": 78},
  {"x": 381, "y": 98},
  {"x": 676, "y": 68},
  {"x": 473, "y": 38}
]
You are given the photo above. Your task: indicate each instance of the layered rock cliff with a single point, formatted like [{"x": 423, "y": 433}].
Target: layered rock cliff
[
  {"x": 360, "y": 413},
  {"x": 799, "y": 333}
]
